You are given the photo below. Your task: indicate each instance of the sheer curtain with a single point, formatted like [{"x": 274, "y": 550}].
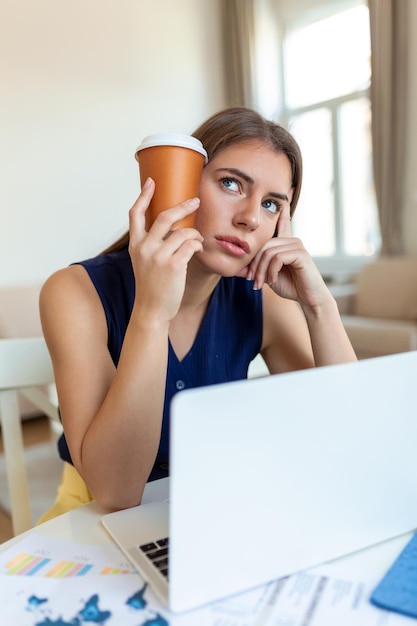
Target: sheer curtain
[
  {"x": 238, "y": 43},
  {"x": 389, "y": 32}
]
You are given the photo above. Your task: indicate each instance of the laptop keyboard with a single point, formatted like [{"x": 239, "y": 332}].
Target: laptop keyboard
[{"x": 157, "y": 553}]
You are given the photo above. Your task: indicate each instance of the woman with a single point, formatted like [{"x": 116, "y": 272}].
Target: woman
[{"x": 163, "y": 310}]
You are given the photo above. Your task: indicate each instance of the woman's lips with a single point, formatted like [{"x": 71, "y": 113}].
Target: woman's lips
[{"x": 234, "y": 245}]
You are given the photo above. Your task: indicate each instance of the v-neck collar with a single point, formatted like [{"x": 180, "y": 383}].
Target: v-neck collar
[{"x": 201, "y": 331}]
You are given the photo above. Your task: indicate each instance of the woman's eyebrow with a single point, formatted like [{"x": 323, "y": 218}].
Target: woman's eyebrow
[
  {"x": 249, "y": 179},
  {"x": 234, "y": 170},
  {"x": 279, "y": 196}
]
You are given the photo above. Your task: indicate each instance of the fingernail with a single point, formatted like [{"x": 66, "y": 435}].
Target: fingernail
[
  {"x": 194, "y": 202},
  {"x": 148, "y": 181}
]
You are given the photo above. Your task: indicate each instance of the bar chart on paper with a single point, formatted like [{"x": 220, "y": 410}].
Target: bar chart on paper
[
  {"x": 24, "y": 564},
  {"x": 43, "y": 557},
  {"x": 46, "y": 582}
]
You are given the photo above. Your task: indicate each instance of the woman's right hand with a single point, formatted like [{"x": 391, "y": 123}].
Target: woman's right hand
[{"x": 160, "y": 256}]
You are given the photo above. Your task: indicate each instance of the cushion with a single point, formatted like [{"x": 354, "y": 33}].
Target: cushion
[
  {"x": 375, "y": 337},
  {"x": 19, "y": 311},
  {"x": 387, "y": 288},
  {"x": 19, "y": 317}
]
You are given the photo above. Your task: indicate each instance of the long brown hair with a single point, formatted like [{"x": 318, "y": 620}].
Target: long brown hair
[{"x": 236, "y": 124}]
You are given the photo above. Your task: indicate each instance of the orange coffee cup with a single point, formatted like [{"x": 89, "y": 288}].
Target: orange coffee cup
[{"x": 175, "y": 162}]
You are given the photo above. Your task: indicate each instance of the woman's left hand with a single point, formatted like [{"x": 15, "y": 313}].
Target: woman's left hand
[{"x": 286, "y": 266}]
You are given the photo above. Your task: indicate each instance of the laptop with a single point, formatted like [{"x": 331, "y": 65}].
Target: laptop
[{"x": 274, "y": 475}]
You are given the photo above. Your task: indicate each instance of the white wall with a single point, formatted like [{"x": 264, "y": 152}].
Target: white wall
[{"x": 82, "y": 81}]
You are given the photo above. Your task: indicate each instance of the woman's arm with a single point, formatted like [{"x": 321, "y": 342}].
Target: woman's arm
[
  {"x": 111, "y": 420},
  {"x": 299, "y": 337},
  {"x": 112, "y": 416}
]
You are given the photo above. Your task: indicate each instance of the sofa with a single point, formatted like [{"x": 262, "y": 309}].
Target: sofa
[{"x": 379, "y": 309}]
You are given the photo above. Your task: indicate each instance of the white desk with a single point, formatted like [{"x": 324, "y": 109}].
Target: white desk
[{"x": 83, "y": 526}]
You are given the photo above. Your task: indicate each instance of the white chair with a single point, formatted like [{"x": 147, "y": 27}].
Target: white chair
[{"x": 24, "y": 366}]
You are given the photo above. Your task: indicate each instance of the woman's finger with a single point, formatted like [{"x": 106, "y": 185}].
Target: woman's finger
[
  {"x": 261, "y": 260},
  {"x": 273, "y": 256},
  {"x": 284, "y": 222},
  {"x": 165, "y": 221},
  {"x": 137, "y": 211},
  {"x": 170, "y": 245}
]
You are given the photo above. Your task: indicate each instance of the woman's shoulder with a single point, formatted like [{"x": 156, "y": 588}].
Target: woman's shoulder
[
  {"x": 72, "y": 277},
  {"x": 66, "y": 286},
  {"x": 113, "y": 278},
  {"x": 69, "y": 307},
  {"x": 108, "y": 276},
  {"x": 77, "y": 274}
]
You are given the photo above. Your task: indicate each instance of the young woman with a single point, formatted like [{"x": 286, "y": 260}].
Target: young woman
[{"x": 165, "y": 310}]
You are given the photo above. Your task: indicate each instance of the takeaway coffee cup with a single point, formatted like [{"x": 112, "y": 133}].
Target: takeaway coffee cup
[{"x": 175, "y": 162}]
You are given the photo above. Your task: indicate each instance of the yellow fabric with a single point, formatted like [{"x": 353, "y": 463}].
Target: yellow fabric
[{"x": 72, "y": 493}]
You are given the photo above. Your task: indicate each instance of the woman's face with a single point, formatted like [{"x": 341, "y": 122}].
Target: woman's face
[{"x": 243, "y": 190}]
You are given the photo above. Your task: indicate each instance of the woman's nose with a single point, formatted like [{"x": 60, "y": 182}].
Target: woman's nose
[{"x": 248, "y": 215}]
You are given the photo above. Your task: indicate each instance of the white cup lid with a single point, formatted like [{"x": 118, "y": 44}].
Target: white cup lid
[{"x": 173, "y": 139}]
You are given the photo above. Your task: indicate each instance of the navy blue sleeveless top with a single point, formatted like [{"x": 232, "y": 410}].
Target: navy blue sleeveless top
[{"x": 229, "y": 338}]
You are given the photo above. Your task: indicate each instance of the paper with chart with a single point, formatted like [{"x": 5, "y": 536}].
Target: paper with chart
[{"x": 46, "y": 582}]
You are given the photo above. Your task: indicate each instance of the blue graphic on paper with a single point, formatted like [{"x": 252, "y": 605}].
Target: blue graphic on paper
[
  {"x": 57, "y": 622},
  {"x": 158, "y": 620},
  {"x": 35, "y": 602},
  {"x": 137, "y": 601},
  {"x": 91, "y": 613}
]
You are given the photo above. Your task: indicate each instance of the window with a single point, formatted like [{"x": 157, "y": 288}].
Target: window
[{"x": 325, "y": 57}]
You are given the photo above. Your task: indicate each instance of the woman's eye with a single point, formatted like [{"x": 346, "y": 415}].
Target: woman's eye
[
  {"x": 230, "y": 183},
  {"x": 271, "y": 206}
]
